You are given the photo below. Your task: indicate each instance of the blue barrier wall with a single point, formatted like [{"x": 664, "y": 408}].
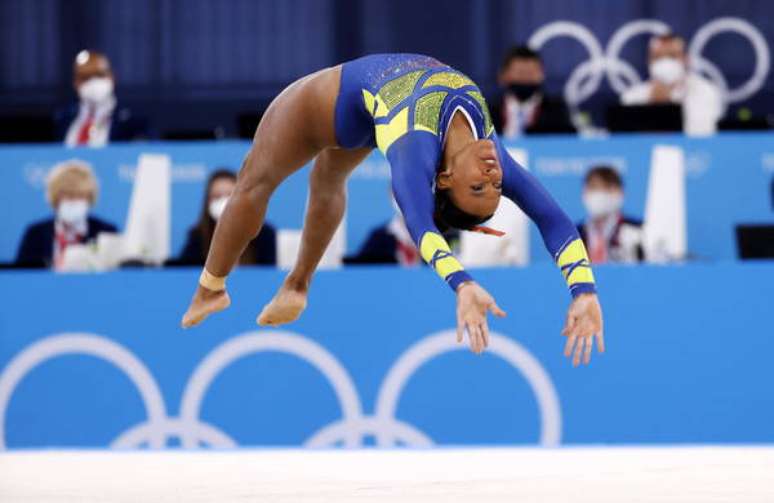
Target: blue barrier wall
[
  {"x": 689, "y": 360},
  {"x": 728, "y": 181}
]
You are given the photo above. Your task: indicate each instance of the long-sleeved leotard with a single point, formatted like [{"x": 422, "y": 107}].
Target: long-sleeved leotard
[{"x": 403, "y": 104}]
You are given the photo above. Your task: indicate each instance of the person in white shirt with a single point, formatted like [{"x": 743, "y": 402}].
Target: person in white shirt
[{"x": 672, "y": 81}]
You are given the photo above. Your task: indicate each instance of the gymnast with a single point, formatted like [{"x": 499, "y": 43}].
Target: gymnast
[{"x": 448, "y": 168}]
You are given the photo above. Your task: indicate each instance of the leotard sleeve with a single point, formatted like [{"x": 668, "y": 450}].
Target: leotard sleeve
[
  {"x": 559, "y": 234},
  {"x": 413, "y": 159}
]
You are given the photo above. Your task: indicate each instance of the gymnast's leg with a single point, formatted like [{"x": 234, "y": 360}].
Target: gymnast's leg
[
  {"x": 327, "y": 202},
  {"x": 297, "y": 125}
]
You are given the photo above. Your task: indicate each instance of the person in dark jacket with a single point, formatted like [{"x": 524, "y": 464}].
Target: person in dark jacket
[
  {"x": 261, "y": 250},
  {"x": 96, "y": 119},
  {"x": 524, "y": 107},
  {"x": 71, "y": 190},
  {"x": 391, "y": 243}
]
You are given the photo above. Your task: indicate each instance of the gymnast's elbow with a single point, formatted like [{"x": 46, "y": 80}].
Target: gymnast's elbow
[{"x": 552, "y": 219}]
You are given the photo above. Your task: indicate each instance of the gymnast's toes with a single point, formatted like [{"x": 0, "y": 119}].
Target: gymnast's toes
[{"x": 284, "y": 308}]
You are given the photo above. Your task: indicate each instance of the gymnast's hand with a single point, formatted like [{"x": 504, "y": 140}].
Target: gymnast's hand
[
  {"x": 204, "y": 303},
  {"x": 473, "y": 302},
  {"x": 584, "y": 323}
]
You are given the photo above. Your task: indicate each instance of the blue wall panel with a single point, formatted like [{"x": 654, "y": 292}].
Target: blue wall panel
[
  {"x": 728, "y": 182},
  {"x": 689, "y": 352}
]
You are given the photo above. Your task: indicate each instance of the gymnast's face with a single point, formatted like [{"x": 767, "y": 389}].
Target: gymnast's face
[{"x": 473, "y": 176}]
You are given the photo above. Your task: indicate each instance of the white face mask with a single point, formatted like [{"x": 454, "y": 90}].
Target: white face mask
[
  {"x": 96, "y": 90},
  {"x": 217, "y": 206},
  {"x": 72, "y": 211},
  {"x": 602, "y": 203},
  {"x": 667, "y": 70}
]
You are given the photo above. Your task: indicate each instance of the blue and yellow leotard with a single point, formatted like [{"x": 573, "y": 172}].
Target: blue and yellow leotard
[{"x": 403, "y": 104}]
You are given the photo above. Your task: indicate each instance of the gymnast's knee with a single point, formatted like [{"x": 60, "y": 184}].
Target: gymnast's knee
[
  {"x": 328, "y": 181},
  {"x": 255, "y": 189}
]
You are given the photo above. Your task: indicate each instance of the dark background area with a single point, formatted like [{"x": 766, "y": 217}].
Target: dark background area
[{"x": 199, "y": 64}]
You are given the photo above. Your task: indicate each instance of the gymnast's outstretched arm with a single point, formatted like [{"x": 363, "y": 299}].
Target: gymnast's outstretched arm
[
  {"x": 413, "y": 158},
  {"x": 584, "y": 319}
]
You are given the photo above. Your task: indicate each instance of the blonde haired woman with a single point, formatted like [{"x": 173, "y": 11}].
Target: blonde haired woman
[{"x": 71, "y": 190}]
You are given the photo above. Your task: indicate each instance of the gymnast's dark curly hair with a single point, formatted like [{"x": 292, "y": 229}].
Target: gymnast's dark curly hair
[{"x": 448, "y": 216}]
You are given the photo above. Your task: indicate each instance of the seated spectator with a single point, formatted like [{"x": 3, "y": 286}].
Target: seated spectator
[
  {"x": 261, "y": 250},
  {"x": 71, "y": 190},
  {"x": 609, "y": 236},
  {"x": 524, "y": 107},
  {"x": 391, "y": 243},
  {"x": 671, "y": 81},
  {"x": 95, "y": 120}
]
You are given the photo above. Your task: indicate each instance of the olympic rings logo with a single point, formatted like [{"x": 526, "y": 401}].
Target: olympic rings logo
[
  {"x": 585, "y": 79},
  {"x": 350, "y": 429}
]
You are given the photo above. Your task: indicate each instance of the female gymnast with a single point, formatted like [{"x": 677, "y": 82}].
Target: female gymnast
[{"x": 448, "y": 169}]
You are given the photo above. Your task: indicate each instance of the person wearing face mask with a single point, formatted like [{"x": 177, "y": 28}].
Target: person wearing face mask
[
  {"x": 608, "y": 234},
  {"x": 262, "y": 250},
  {"x": 671, "y": 81},
  {"x": 96, "y": 120},
  {"x": 524, "y": 107},
  {"x": 71, "y": 190}
]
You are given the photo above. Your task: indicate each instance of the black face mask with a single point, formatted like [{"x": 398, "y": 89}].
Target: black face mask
[{"x": 523, "y": 92}]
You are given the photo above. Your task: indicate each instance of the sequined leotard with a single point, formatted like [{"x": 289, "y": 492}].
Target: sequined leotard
[{"x": 403, "y": 104}]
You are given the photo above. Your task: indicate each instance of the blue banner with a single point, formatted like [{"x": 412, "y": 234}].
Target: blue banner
[
  {"x": 97, "y": 361},
  {"x": 728, "y": 181}
]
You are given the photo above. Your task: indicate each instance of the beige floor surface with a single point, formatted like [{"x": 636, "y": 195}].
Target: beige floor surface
[{"x": 663, "y": 474}]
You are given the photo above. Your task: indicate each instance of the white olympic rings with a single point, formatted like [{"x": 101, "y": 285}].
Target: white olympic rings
[
  {"x": 348, "y": 431},
  {"x": 586, "y": 78}
]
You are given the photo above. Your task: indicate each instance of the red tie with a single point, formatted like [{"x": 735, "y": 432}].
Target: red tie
[
  {"x": 83, "y": 133},
  {"x": 598, "y": 248},
  {"x": 407, "y": 254},
  {"x": 62, "y": 241}
]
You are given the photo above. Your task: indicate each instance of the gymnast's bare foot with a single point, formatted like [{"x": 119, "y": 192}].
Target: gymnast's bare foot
[
  {"x": 204, "y": 303},
  {"x": 286, "y": 306}
]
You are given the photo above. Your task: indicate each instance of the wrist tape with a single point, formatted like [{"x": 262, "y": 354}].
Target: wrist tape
[{"x": 211, "y": 282}]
